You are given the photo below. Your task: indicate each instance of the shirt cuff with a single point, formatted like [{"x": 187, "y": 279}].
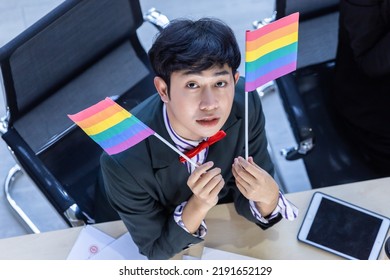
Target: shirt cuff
[
  {"x": 285, "y": 208},
  {"x": 202, "y": 230}
]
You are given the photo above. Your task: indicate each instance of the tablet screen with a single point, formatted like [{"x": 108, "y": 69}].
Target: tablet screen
[{"x": 344, "y": 229}]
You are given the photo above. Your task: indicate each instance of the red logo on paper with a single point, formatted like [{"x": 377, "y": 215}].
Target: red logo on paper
[{"x": 93, "y": 249}]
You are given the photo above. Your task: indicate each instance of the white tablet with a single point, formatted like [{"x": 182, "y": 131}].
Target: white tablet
[{"x": 342, "y": 228}]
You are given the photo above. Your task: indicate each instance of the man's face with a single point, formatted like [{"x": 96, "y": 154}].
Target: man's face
[{"x": 200, "y": 102}]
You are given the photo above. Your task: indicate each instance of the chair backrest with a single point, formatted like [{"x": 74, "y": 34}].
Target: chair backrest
[
  {"x": 75, "y": 56},
  {"x": 318, "y": 28},
  {"x": 307, "y": 8}
]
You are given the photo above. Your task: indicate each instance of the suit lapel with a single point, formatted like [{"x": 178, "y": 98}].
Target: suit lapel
[{"x": 170, "y": 173}]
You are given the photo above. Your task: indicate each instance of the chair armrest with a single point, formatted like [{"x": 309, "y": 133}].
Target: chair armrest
[
  {"x": 42, "y": 177},
  {"x": 298, "y": 118}
]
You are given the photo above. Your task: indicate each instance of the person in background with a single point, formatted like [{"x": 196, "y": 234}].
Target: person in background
[
  {"x": 164, "y": 201},
  {"x": 362, "y": 79}
]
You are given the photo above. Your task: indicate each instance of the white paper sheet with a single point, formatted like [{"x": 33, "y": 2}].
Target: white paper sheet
[
  {"x": 122, "y": 248},
  {"x": 89, "y": 242}
]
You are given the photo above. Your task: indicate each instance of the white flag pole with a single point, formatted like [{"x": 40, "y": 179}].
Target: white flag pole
[
  {"x": 246, "y": 126},
  {"x": 175, "y": 149},
  {"x": 246, "y": 100}
]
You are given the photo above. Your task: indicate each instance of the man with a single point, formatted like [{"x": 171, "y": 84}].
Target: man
[
  {"x": 163, "y": 201},
  {"x": 362, "y": 79}
]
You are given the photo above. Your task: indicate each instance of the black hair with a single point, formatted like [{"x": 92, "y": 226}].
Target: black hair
[{"x": 195, "y": 46}]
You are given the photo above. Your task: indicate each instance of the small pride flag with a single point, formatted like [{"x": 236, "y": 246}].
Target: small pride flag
[
  {"x": 271, "y": 51},
  {"x": 115, "y": 129},
  {"x": 111, "y": 126}
]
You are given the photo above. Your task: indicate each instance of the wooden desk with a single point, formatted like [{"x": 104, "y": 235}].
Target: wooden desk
[{"x": 226, "y": 230}]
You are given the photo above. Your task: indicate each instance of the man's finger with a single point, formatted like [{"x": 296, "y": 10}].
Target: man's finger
[{"x": 198, "y": 172}]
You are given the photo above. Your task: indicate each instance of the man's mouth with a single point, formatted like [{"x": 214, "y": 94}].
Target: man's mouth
[{"x": 212, "y": 121}]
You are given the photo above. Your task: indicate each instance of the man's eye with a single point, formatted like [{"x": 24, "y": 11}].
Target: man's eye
[
  {"x": 220, "y": 84},
  {"x": 192, "y": 85}
]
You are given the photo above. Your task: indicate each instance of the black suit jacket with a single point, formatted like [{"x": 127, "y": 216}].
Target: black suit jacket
[
  {"x": 362, "y": 93},
  {"x": 362, "y": 78},
  {"x": 146, "y": 182}
]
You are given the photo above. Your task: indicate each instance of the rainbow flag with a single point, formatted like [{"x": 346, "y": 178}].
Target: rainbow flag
[
  {"x": 271, "y": 51},
  {"x": 111, "y": 126}
]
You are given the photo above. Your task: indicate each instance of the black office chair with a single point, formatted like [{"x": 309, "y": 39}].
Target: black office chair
[
  {"x": 76, "y": 55},
  {"x": 328, "y": 157}
]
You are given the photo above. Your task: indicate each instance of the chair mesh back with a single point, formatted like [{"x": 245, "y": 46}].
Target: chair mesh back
[
  {"x": 317, "y": 45},
  {"x": 65, "y": 47},
  {"x": 113, "y": 75}
]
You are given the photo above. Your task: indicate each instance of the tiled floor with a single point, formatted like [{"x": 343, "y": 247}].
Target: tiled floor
[{"x": 17, "y": 15}]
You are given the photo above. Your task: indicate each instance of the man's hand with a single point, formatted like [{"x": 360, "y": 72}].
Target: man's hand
[
  {"x": 256, "y": 184},
  {"x": 206, "y": 184}
]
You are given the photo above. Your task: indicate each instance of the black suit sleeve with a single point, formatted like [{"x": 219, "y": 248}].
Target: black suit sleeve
[{"x": 150, "y": 224}]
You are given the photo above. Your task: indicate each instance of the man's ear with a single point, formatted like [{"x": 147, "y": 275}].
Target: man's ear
[
  {"x": 162, "y": 89},
  {"x": 236, "y": 77}
]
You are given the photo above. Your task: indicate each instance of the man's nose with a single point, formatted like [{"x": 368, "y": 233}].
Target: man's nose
[{"x": 209, "y": 100}]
